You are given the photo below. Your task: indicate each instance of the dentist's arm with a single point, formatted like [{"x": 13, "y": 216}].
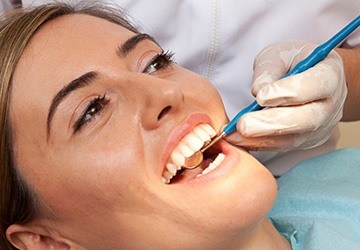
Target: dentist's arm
[
  {"x": 302, "y": 110},
  {"x": 351, "y": 59}
]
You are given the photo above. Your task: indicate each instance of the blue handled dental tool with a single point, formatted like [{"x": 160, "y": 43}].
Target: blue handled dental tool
[{"x": 316, "y": 56}]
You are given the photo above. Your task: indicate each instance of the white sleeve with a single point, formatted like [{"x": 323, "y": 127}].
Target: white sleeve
[
  {"x": 6, "y": 5},
  {"x": 353, "y": 40}
]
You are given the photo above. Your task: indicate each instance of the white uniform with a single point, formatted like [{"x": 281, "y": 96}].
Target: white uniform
[
  {"x": 220, "y": 39},
  {"x": 5, "y": 5}
]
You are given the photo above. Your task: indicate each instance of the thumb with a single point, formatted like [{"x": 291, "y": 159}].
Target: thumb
[{"x": 277, "y": 143}]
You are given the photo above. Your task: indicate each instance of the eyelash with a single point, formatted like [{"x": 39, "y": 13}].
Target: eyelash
[
  {"x": 159, "y": 62},
  {"x": 91, "y": 110}
]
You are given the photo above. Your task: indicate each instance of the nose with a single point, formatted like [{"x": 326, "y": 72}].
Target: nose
[{"x": 159, "y": 100}]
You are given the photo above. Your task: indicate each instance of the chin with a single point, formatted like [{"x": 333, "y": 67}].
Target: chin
[{"x": 236, "y": 196}]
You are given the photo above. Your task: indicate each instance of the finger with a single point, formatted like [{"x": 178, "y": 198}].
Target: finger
[
  {"x": 266, "y": 143},
  {"x": 281, "y": 143},
  {"x": 272, "y": 63},
  {"x": 288, "y": 120},
  {"x": 316, "y": 83}
]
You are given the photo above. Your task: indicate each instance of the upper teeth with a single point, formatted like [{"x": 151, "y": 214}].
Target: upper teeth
[{"x": 191, "y": 143}]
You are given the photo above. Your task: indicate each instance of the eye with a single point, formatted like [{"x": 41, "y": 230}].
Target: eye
[
  {"x": 95, "y": 106},
  {"x": 159, "y": 62}
]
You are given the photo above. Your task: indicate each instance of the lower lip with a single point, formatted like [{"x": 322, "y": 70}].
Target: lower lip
[{"x": 232, "y": 158}]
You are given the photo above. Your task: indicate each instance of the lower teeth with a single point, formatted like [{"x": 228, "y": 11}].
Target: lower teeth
[{"x": 218, "y": 160}]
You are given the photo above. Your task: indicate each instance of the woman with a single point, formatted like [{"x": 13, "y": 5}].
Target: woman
[
  {"x": 220, "y": 40},
  {"x": 95, "y": 109},
  {"x": 96, "y": 121}
]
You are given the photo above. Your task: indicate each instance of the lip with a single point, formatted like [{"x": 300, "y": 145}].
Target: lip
[
  {"x": 232, "y": 159},
  {"x": 179, "y": 132}
]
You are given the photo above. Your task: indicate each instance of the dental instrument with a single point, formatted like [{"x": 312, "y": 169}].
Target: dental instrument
[{"x": 316, "y": 56}]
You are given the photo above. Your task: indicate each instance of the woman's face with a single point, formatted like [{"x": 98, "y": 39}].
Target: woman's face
[{"x": 96, "y": 114}]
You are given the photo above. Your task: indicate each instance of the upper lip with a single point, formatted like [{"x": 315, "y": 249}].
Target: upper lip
[{"x": 179, "y": 132}]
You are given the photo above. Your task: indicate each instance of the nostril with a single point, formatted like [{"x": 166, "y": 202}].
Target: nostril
[{"x": 164, "y": 112}]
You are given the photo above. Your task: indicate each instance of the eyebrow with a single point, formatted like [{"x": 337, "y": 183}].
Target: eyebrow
[
  {"x": 77, "y": 83},
  {"x": 131, "y": 43},
  {"x": 89, "y": 77}
]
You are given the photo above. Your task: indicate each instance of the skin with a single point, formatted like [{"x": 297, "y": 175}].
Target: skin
[
  {"x": 351, "y": 59},
  {"x": 101, "y": 186}
]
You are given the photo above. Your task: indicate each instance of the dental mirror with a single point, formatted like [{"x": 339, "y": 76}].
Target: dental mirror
[{"x": 196, "y": 159}]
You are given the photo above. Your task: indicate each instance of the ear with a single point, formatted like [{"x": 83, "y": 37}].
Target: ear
[{"x": 29, "y": 237}]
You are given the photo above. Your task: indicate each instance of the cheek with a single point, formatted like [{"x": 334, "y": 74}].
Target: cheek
[
  {"x": 203, "y": 94},
  {"x": 82, "y": 179},
  {"x": 202, "y": 90}
]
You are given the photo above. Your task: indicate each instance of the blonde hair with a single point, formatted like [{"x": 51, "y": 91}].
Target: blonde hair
[{"x": 18, "y": 203}]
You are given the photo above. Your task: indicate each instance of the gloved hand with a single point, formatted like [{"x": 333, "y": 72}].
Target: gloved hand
[{"x": 302, "y": 110}]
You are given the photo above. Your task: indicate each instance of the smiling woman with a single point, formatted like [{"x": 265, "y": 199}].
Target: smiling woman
[{"x": 96, "y": 122}]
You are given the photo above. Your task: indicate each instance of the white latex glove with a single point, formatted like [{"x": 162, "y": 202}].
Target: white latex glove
[{"x": 302, "y": 110}]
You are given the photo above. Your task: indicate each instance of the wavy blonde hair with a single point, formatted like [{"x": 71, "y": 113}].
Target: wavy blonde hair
[{"x": 18, "y": 202}]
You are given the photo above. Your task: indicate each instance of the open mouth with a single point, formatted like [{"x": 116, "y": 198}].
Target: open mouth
[{"x": 189, "y": 145}]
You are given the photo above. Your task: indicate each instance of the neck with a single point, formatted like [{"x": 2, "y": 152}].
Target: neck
[
  {"x": 262, "y": 236},
  {"x": 266, "y": 236}
]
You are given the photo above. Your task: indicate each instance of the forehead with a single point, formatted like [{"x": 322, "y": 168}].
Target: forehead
[
  {"x": 60, "y": 51},
  {"x": 62, "y": 43}
]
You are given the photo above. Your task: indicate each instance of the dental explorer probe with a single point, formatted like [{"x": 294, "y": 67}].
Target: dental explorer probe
[{"x": 316, "y": 56}]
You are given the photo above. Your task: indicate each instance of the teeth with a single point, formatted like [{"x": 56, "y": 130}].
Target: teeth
[
  {"x": 164, "y": 180},
  {"x": 194, "y": 142},
  {"x": 186, "y": 150},
  {"x": 177, "y": 158},
  {"x": 171, "y": 168},
  {"x": 218, "y": 160},
  {"x": 168, "y": 175},
  {"x": 209, "y": 130},
  {"x": 190, "y": 144},
  {"x": 207, "y": 170},
  {"x": 202, "y": 134}
]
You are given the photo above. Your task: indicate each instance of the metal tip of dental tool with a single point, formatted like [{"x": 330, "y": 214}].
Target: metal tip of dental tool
[
  {"x": 215, "y": 140},
  {"x": 195, "y": 160}
]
